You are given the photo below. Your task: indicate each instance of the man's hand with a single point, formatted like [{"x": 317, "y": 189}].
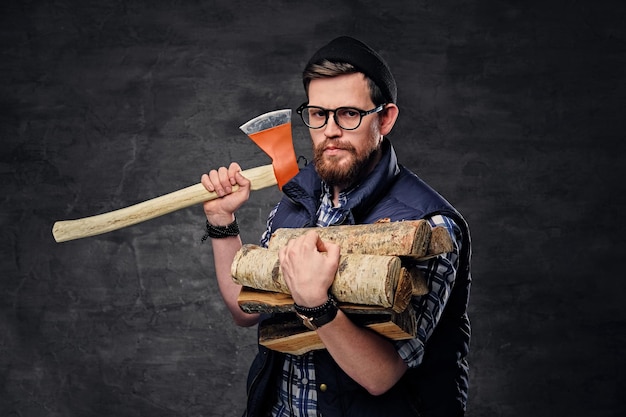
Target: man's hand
[
  {"x": 220, "y": 212},
  {"x": 309, "y": 266}
]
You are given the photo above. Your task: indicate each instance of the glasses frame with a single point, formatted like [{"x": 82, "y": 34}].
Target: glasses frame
[{"x": 362, "y": 113}]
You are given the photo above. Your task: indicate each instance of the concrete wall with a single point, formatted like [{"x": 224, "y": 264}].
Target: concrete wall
[{"x": 513, "y": 110}]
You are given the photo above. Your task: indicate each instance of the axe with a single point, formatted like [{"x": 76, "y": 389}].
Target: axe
[{"x": 270, "y": 131}]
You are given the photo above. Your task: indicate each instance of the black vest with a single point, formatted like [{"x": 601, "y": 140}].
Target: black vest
[{"x": 438, "y": 387}]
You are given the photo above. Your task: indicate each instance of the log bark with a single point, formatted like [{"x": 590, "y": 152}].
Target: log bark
[
  {"x": 286, "y": 333},
  {"x": 410, "y": 238},
  {"x": 257, "y": 267},
  {"x": 360, "y": 279},
  {"x": 253, "y": 301}
]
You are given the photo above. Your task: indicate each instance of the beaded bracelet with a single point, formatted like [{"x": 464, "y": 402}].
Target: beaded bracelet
[
  {"x": 220, "y": 232},
  {"x": 331, "y": 301}
]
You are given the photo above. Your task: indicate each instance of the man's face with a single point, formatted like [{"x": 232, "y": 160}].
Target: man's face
[{"x": 343, "y": 157}]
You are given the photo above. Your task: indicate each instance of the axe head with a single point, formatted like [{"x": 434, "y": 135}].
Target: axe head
[{"x": 272, "y": 133}]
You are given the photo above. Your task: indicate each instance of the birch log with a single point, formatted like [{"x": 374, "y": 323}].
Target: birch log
[
  {"x": 360, "y": 279},
  {"x": 408, "y": 238}
]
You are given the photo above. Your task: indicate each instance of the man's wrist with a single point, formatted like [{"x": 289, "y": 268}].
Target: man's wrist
[
  {"x": 315, "y": 317},
  {"x": 221, "y": 219},
  {"x": 220, "y": 232}
]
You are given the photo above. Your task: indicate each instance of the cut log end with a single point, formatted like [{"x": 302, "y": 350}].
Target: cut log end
[
  {"x": 419, "y": 285},
  {"x": 404, "y": 291},
  {"x": 440, "y": 241}
]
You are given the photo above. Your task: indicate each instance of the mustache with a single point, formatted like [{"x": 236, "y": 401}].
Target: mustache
[{"x": 335, "y": 143}]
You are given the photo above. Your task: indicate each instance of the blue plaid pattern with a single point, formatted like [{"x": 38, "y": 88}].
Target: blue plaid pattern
[
  {"x": 297, "y": 396},
  {"x": 439, "y": 273}
]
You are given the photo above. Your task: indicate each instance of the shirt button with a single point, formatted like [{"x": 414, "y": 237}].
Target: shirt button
[
  {"x": 304, "y": 381},
  {"x": 323, "y": 387}
]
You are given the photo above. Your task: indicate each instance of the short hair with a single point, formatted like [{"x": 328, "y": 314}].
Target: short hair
[{"x": 329, "y": 69}]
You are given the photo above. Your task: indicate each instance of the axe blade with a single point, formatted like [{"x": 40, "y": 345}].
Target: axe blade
[{"x": 272, "y": 133}]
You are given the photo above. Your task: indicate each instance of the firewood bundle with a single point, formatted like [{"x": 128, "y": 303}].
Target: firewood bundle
[{"x": 374, "y": 283}]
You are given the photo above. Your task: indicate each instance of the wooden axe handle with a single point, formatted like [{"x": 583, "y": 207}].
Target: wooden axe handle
[{"x": 260, "y": 177}]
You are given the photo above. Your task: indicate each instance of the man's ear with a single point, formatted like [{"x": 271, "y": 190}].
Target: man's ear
[{"x": 388, "y": 118}]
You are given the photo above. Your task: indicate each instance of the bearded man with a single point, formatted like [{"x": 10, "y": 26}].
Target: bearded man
[{"x": 355, "y": 178}]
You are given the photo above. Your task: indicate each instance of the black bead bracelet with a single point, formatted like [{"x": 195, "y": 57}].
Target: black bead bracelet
[
  {"x": 315, "y": 317},
  {"x": 330, "y": 302},
  {"x": 220, "y": 232}
]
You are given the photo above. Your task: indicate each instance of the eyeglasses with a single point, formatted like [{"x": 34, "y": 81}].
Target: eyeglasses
[{"x": 347, "y": 118}]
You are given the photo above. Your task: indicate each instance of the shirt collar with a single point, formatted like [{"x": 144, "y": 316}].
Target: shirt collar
[{"x": 327, "y": 195}]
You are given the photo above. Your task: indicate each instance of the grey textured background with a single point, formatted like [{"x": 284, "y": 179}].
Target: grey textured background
[{"x": 513, "y": 110}]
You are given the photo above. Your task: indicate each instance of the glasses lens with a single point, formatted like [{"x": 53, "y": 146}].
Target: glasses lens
[
  {"x": 314, "y": 117},
  {"x": 348, "y": 118}
]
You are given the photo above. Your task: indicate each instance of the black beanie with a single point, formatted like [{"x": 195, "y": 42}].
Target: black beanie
[{"x": 363, "y": 58}]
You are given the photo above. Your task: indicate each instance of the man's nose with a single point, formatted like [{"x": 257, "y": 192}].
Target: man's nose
[{"x": 332, "y": 129}]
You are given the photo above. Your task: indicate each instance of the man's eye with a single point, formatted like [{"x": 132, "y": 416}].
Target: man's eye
[
  {"x": 320, "y": 114},
  {"x": 349, "y": 113}
]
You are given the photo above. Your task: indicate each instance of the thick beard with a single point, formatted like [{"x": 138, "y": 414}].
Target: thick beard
[{"x": 343, "y": 176}]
